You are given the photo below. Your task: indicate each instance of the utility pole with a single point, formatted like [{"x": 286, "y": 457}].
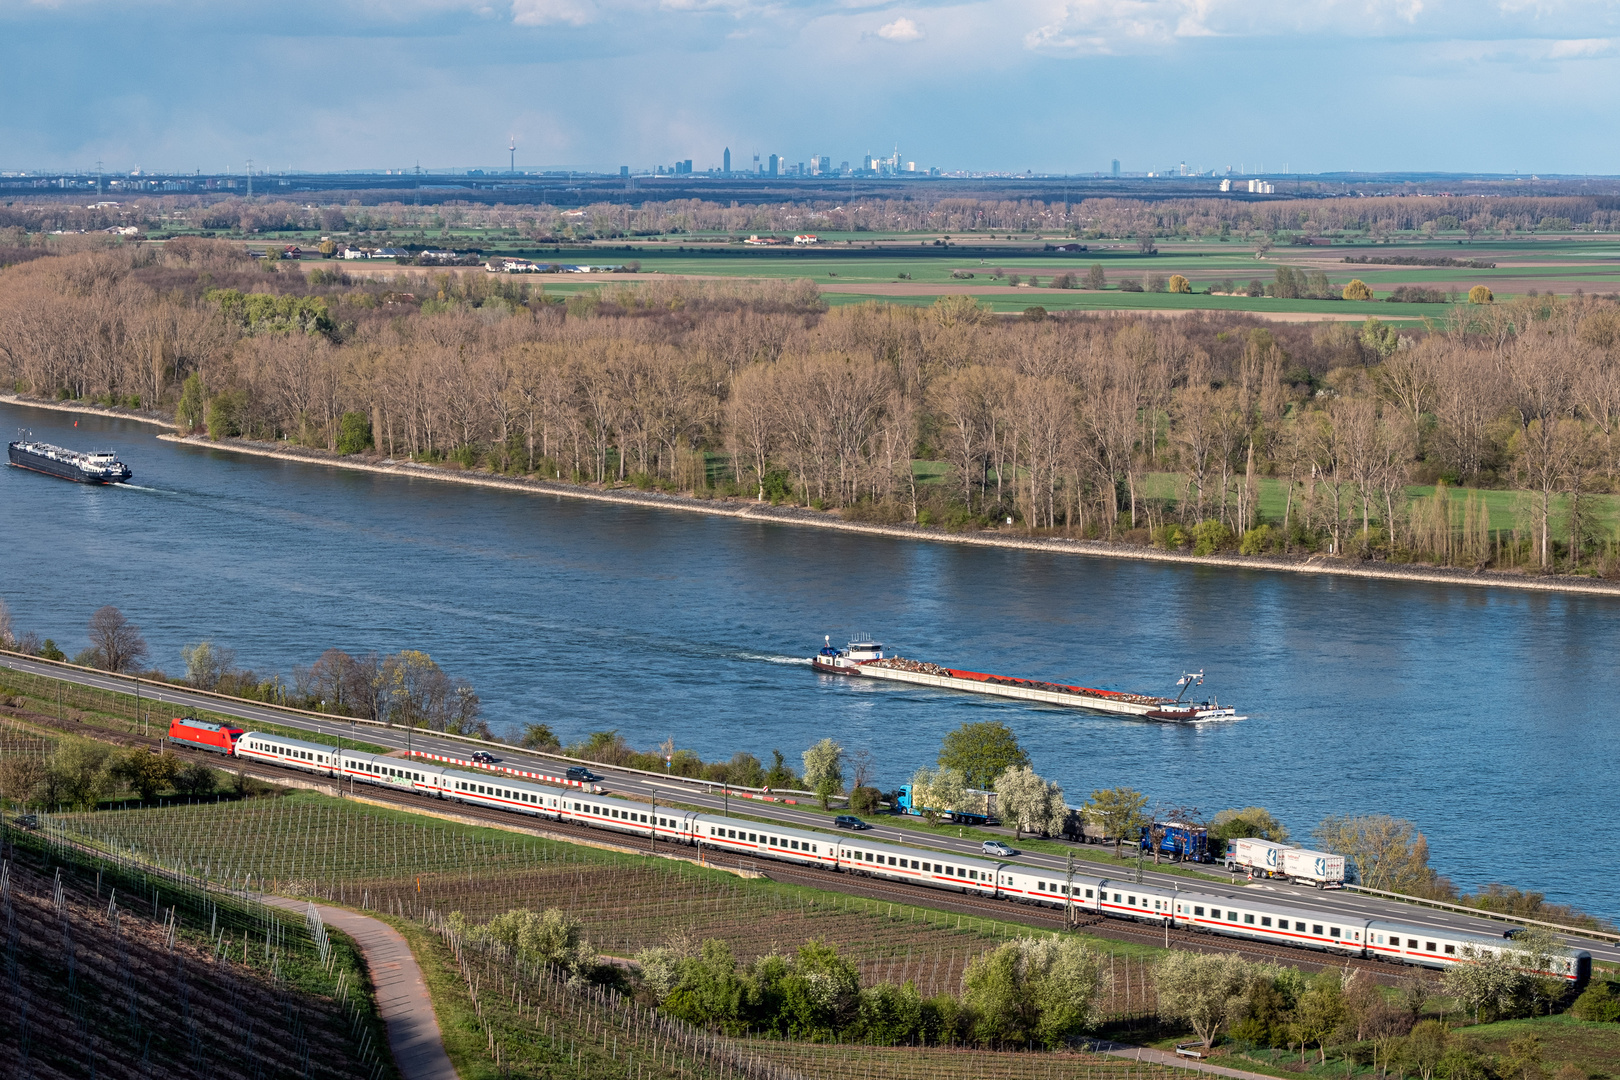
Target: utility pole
[{"x": 1068, "y": 893}]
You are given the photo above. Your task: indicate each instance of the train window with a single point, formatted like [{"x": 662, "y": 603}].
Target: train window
[
  {"x": 752, "y": 839},
  {"x": 915, "y": 864},
  {"x": 1249, "y": 920},
  {"x": 1333, "y": 931},
  {"x": 1428, "y": 946},
  {"x": 1410, "y": 943},
  {"x": 794, "y": 844},
  {"x": 1133, "y": 904},
  {"x": 1198, "y": 911},
  {"x": 812, "y": 849},
  {"x": 1088, "y": 894},
  {"x": 1265, "y": 920},
  {"x": 731, "y": 834},
  {"x": 1317, "y": 929},
  {"x": 1451, "y": 950},
  {"x": 1116, "y": 898},
  {"x": 928, "y": 867}
]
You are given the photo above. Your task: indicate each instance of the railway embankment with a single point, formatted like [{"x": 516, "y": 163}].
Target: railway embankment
[{"x": 1314, "y": 564}]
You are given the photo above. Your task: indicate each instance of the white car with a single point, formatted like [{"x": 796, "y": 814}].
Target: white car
[{"x": 996, "y": 847}]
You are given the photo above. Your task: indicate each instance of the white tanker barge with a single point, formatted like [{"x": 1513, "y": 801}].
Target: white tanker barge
[{"x": 866, "y": 659}]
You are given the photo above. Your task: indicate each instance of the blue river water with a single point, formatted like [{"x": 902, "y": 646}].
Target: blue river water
[{"x": 1487, "y": 717}]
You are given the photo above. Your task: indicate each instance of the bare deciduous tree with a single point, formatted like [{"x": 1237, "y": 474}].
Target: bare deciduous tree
[{"x": 117, "y": 641}]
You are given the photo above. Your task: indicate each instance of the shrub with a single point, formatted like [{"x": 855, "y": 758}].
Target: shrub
[
  {"x": 1258, "y": 541},
  {"x": 1170, "y": 537},
  {"x": 1357, "y": 290},
  {"x": 1210, "y": 537},
  {"x": 1479, "y": 294},
  {"x": 1179, "y": 284},
  {"x": 1130, "y": 286},
  {"x": 1597, "y": 1003},
  {"x": 354, "y": 433},
  {"x": 1155, "y": 283},
  {"x": 1256, "y": 287},
  {"x": 865, "y": 800},
  {"x": 1035, "y": 314}
]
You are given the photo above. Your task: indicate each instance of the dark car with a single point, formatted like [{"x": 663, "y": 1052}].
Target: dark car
[
  {"x": 849, "y": 821},
  {"x": 483, "y": 756},
  {"x": 581, "y": 774}
]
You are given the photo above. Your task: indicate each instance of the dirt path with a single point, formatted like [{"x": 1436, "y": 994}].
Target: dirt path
[{"x": 402, "y": 995}]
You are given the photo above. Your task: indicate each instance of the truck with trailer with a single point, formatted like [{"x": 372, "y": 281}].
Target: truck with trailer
[
  {"x": 1181, "y": 840},
  {"x": 978, "y": 807},
  {"x": 1319, "y": 869}
]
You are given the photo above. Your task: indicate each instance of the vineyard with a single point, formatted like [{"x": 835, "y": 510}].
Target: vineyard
[
  {"x": 114, "y": 971},
  {"x": 372, "y": 858},
  {"x": 502, "y": 1017}
]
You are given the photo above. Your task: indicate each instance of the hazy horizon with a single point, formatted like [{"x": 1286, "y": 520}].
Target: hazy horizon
[{"x": 1370, "y": 86}]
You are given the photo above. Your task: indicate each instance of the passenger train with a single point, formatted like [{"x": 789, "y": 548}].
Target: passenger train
[{"x": 1229, "y": 914}]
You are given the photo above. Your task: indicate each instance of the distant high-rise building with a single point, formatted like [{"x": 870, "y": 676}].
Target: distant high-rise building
[
  {"x": 1116, "y": 168},
  {"x": 624, "y": 170},
  {"x": 726, "y": 168},
  {"x": 824, "y": 165},
  {"x": 776, "y": 164}
]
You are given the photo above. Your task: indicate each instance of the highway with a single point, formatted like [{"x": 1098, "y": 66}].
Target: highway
[{"x": 710, "y": 796}]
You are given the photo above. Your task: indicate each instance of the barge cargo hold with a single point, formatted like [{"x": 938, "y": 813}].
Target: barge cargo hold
[{"x": 867, "y": 660}]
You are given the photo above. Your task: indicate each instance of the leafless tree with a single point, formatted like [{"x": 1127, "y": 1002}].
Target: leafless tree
[{"x": 117, "y": 641}]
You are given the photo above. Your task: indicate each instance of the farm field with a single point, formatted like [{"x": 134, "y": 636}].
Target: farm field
[{"x": 917, "y": 270}]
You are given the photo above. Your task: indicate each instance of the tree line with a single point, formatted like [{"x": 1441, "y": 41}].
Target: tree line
[
  {"x": 407, "y": 688},
  {"x": 1123, "y": 428},
  {"x": 28, "y": 223}
]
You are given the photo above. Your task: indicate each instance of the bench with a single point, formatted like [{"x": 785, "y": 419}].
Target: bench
[{"x": 1190, "y": 1050}]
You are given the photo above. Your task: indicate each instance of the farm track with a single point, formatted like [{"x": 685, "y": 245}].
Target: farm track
[{"x": 850, "y": 884}]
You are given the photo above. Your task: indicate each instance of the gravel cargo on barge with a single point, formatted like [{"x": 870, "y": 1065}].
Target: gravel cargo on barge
[{"x": 866, "y": 659}]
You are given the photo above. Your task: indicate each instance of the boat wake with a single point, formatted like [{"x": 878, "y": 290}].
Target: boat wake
[{"x": 803, "y": 661}]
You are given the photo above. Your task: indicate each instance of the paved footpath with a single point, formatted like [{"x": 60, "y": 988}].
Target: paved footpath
[
  {"x": 1164, "y": 1057},
  {"x": 402, "y": 994}
]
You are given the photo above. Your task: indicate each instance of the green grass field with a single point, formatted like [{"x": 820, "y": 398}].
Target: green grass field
[{"x": 871, "y": 265}]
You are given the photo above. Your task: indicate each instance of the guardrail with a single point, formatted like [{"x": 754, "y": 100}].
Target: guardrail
[
  {"x": 1486, "y": 913},
  {"x": 741, "y": 790}
]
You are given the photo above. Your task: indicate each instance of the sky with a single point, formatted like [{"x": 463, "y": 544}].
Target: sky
[{"x": 1058, "y": 87}]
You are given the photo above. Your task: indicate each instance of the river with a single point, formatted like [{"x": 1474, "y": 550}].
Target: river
[{"x": 1482, "y": 715}]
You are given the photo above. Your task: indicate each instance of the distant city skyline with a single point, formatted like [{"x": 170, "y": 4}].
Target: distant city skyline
[{"x": 970, "y": 86}]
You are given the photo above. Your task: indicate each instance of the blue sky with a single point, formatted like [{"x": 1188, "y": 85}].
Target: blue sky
[{"x": 1013, "y": 84}]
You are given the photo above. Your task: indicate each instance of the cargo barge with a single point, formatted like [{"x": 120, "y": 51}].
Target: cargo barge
[
  {"x": 866, "y": 659},
  {"x": 97, "y": 467}
]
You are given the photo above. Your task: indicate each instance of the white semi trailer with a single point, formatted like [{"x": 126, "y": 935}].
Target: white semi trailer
[{"x": 1318, "y": 869}]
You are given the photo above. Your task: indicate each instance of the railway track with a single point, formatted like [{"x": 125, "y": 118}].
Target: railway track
[{"x": 850, "y": 884}]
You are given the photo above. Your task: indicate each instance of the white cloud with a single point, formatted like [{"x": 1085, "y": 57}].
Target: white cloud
[
  {"x": 900, "y": 30},
  {"x": 550, "y": 12}
]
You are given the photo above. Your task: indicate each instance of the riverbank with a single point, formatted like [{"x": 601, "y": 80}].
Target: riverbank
[
  {"x": 136, "y": 415},
  {"x": 753, "y": 511}
]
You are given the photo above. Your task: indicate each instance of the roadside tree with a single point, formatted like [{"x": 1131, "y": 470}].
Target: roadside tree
[
  {"x": 538, "y": 737},
  {"x": 206, "y": 664},
  {"x": 117, "y": 641},
  {"x": 1251, "y": 821},
  {"x": 1118, "y": 811},
  {"x": 1029, "y": 803},
  {"x": 981, "y": 752},
  {"x": 1387, "y": 853},
  {"x": 937, "y": 792},
  {"x": 824, "y": 769}
]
